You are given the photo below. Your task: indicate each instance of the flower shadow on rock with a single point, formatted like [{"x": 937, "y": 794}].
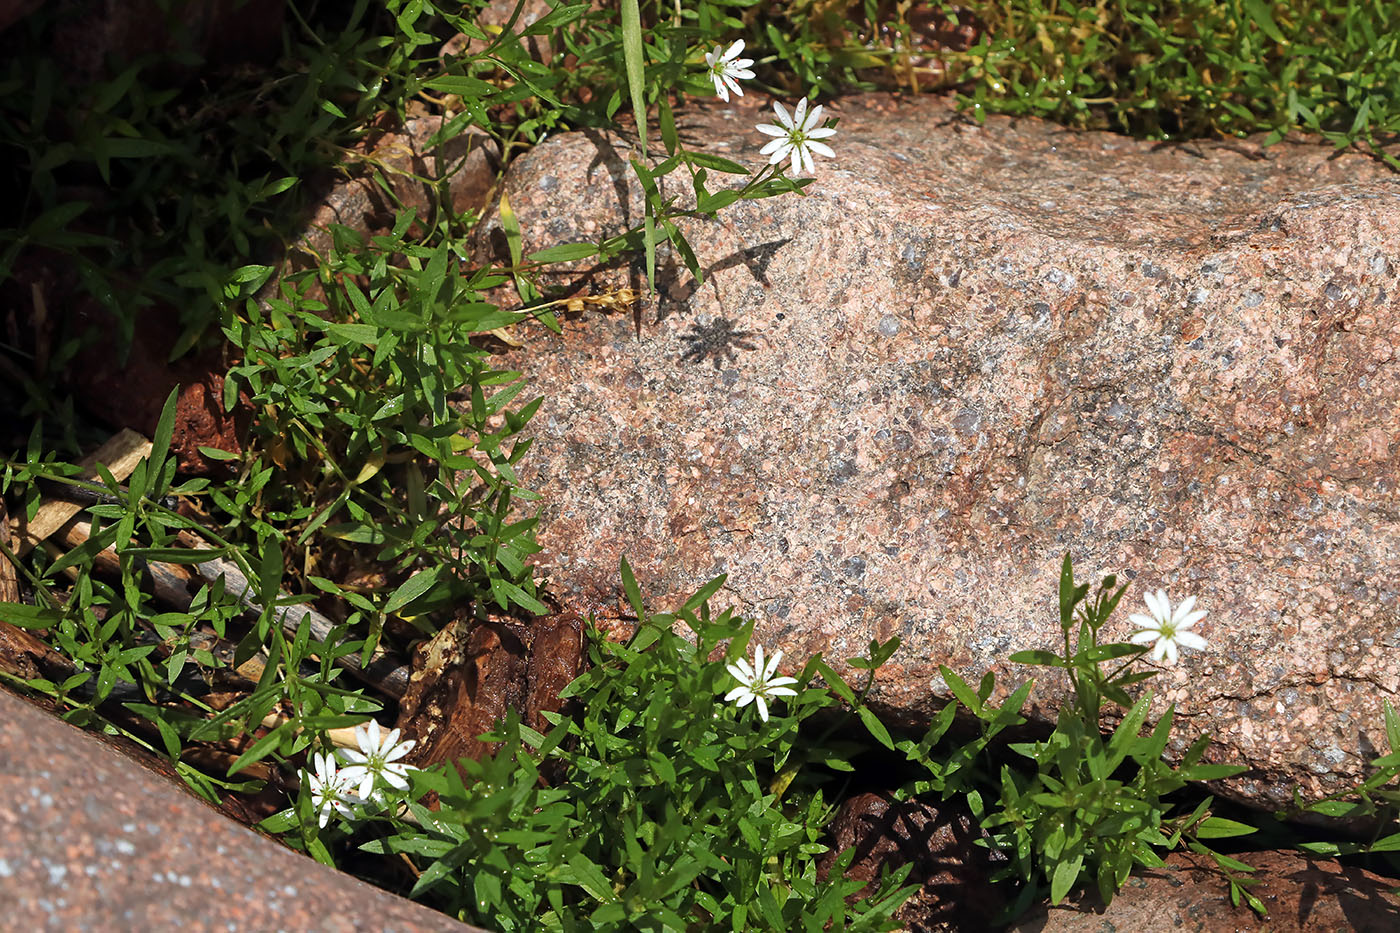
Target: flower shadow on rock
[{"x": 715, "y": 340}]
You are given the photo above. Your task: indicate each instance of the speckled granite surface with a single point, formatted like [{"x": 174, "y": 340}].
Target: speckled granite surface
[
  {"x": 895, "y": 403},
  {"x": 1188, "y": 895},
  {"x": 91, "y": 841}
]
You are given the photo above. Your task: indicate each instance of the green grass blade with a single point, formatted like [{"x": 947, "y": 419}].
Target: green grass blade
[{"x": 632, "y": 58}]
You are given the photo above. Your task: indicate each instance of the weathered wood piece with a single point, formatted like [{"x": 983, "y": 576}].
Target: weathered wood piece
[{"x": 120, "y": 455}]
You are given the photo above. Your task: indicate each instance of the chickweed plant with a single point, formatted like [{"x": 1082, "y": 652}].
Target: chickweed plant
[
  {"x": 666, "y": 807},
  {"x": 683, "y": 792},
  {"x": 1090, "y": 807}
]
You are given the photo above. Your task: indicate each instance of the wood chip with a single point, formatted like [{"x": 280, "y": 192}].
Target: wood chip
[{"x": 120, "y": 455}]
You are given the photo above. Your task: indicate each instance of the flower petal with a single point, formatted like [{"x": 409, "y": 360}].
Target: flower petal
[
  {"x": 1143, "y": 637},
  {"x": 783, "y": 118},
  {"x": 353, "y": 775},
  {"x": 779, "y": 153},
  {"x": 820, "y": 148},
  {"x": 781, "y": 692},
  {"x": 1192, "y": 619},
  {"x": 736, "y": 693},
  {"x": 367, "y": 736},
  {"x": 1191, "y": 640},
  {"x": 1150, "y": 599},
  {"x": 399, "y": 750},
  {"x": 799, "y": 116},
  {"x": 821, "y": 132},
  {"x": 769, "y": 129},
  {"x": 734, "y": 50},
  {"x": 762, "y": 709},
  {"x": 814, "y": 119},
  {"x": 1185, "y": 607}
]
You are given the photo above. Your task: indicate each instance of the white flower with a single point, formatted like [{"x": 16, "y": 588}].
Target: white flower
[
  {"x": 378, "y": 758},
  {"x": 725, "y": 69},
  {"x": 330, "y": 789},
  {"x": 1168, "y": 627},
  {"x": 758, "y": 683},
  {"x": 797, "y": 136}
]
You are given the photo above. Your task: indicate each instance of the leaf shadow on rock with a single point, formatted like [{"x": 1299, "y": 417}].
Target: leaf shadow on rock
[
  {"x": 1359, "y": 895},
  {"x": 610, "y": 159},
  {"x": 676, "y": 294}
]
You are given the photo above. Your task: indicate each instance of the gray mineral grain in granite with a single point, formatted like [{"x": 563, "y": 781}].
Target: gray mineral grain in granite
[
  {"x": 90, "y": 840},
  {"x": 894, "y": 404}
]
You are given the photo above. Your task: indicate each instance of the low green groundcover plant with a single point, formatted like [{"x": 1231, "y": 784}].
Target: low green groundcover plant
[
  {"x": 1166, "y": 70},
  {"x": 668, "y": 808}
]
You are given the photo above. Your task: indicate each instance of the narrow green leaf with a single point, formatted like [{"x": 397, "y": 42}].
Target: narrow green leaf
[
  {"x": 875, "y": 727},
  {"x": 461, "y": 85},
  {"x": 704, "y": 593},
  {"x": 23, "y": 616},
  {"x": 961, "y": 690},
  {"x": 636, "y": 68},
  {"x": 564, "y": 252},
  {"x": 1259, "y": 13},
  {"x": 1389, "y": 843},
  {"x": 1041, "y": 658},
  {"x": 414, "y": 587},
  {"x": 1392, "y": 727},
  {"x": 709, "y": 161},
  {"x": 835, "y": 681},
  {"x": 634, "y": 592},
  {"x": 1217, "y": 827},
  {"x": 1067, "y": 590},
  {"x": 668, "y": 125},
  {"x": 160, "y": 441},
  {"x": 1210, "y": 772},
  {"x": 1065, "y": 876},
  {"x": 261, "y": 747}
]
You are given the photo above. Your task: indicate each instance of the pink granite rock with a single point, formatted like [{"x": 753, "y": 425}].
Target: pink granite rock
[
  {"x": 1302, "y": 895},
  {"x": 89, "y": 840},
  {"x": 464, "y": 165},
  {"x": 895, "y": 403}
]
